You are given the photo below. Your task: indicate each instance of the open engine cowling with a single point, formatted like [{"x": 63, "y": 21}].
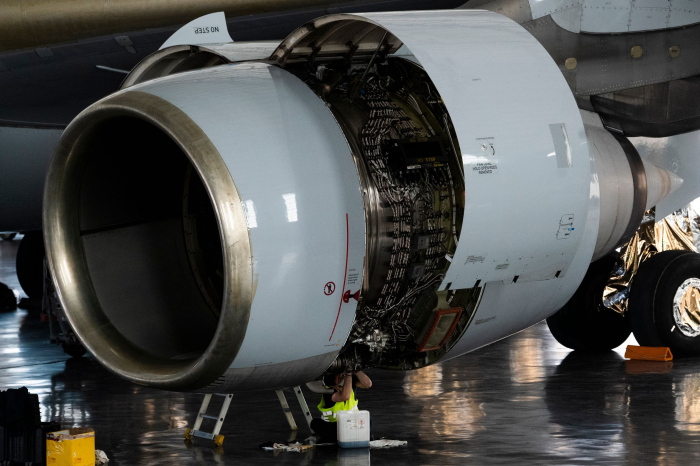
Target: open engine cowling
[{"x": 362, "y": 196}]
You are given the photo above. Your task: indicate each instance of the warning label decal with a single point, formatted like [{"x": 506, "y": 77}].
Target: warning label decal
[
  {"x": 475, "y": 260},
  {"x": 353, "y": 277},
  {"x": 485, "y": 168},
  {"x": 486, "y": 161}
]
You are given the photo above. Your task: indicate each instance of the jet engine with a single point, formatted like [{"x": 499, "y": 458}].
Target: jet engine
[{"x": 381, "y": 190}]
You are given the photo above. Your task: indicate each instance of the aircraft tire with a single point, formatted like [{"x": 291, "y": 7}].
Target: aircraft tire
[
  {"x": 8, "y": 300},
  {"x": 584, "y": 324},
  {"x": 74, "y": 350},
  {"x": 30, "y": 264},
  {"x": 657, "y": 290}
]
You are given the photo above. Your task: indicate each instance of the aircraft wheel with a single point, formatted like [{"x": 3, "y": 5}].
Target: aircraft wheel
[
  {"x": 664, "y": 302},
  {"x": 74, "y": 350},
  {"x": 30, "y": 264},
  {"x": 8, "y": 300},
  {"x": 583, "y": 323},
  {"x": 8, "y": 236}
]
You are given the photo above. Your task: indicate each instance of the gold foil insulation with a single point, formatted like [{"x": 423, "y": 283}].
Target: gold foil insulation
[{"x": 675, "y": 232}]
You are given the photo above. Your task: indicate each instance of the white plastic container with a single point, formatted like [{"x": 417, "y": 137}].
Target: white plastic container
[{"x": 353, "y": 429}]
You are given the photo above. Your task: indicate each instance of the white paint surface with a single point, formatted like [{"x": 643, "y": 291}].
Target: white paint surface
[
  {"x": 298, "y": 183},
  {"x": 617, "y": 16},
  {"x": 679, "y": 155},
  {"x": 207, "y": 29},
  {"x": 503, "y": 91}
]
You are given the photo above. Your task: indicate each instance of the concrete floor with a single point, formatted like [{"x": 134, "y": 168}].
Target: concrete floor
[{"x": 524, "y": 400}]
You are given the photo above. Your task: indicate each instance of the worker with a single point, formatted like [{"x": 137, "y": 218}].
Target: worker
[{"x": 341, "y": 399}]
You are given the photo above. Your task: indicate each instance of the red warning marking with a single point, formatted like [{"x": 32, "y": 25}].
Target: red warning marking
[
  {"x": 347, "y": 250},
  {"x": 329, "y": 288},
  {"x": 349, "y": 294}
]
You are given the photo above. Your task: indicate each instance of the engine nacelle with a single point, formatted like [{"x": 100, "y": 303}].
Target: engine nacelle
[{"x": 384, "y": 190}]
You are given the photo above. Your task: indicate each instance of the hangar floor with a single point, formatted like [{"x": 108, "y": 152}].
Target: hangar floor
[{"x": 524, "y": 400}]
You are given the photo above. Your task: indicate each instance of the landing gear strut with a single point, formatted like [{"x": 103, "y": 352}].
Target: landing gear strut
[
  {"x": 30, "y": 264},
  {"x": 60, "y": 330}
]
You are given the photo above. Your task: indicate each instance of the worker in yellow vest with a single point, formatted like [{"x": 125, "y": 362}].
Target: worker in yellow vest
[{"x": 341, "y": 399}]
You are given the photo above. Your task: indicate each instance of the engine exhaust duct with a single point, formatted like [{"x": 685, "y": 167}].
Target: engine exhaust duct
[{"x": 629, "y": 186}]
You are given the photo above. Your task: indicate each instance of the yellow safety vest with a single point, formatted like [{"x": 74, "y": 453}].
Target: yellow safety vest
[{"x": 329, "y": 413}]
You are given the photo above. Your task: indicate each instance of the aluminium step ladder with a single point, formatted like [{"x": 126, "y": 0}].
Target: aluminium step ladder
[
  {"x": 196, "y": 430},
  {"x": 202, "y": 415},
  {"x": 288, "y": 413}
]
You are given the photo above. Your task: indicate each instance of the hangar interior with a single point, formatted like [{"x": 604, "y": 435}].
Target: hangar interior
[
  {"x": 480, "y": 219},
  {"x": 526, "y": 399}
]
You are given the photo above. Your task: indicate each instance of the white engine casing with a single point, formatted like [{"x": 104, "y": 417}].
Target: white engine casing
[
  {"x": 530, "y": 221},
  {"x": 299, "y": 186}
]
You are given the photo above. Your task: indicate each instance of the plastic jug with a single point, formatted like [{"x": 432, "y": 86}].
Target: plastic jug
[{"x": 353, "y": 429}]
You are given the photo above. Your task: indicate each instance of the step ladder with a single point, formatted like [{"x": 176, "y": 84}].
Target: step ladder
[
  {"x": 214, "y": 434},
  {"x": 288, "y": 412},
  {"x": 196, "y": 430}
]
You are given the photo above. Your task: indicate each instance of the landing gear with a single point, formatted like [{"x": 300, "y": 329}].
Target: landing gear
[
  {"x": 74, "y": 350},
  {"x": 584, "y": 323},
  {"x": 8, "y": 298},
  {"x": 30, "y": 264},
  {"x": 664, "y": 304},
  {"x": 60, "y": 330}
]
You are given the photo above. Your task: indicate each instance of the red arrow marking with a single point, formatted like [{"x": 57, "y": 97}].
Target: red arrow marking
[{"x": 347, "y": 249}]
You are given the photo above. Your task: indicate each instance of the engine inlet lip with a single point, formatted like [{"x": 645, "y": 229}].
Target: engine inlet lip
[{"x": 68, "y": 264}]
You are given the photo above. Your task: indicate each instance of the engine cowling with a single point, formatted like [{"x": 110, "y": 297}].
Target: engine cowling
[{"x": 370, "y": 195}]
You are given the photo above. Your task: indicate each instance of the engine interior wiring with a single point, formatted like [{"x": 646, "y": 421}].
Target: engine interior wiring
[{"x": 407, "y": 156}]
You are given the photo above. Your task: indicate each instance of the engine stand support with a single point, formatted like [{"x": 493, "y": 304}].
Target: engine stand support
[
  {"x": 196, "y": 431},
  {"x": 202, "y": 415}
]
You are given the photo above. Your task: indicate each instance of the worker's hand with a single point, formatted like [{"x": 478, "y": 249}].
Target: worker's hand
[{"x": 342, "y": 380}]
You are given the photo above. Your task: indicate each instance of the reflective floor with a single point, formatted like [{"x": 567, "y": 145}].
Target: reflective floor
[{"x": 524, "y": 400}]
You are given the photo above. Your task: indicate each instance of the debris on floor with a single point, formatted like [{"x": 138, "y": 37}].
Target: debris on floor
[
  {"x": 101, "y": 458},
  {"x": 386, "y": 443},
  {"x": 295, "y": 447},
  {"x": 318, "y": 442}
]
